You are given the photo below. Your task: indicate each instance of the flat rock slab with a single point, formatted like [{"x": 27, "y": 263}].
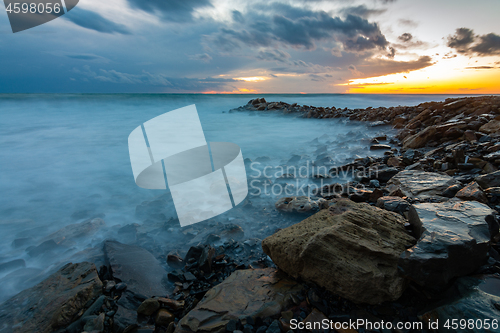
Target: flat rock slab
[
  {"x": 137, "y": 267},
  {"x": 351, "y": 249},
  {"x": 52, "y": 304},
  {"x": 246, "y": 293},
  {"x": 471, "y": 302},
  {"x": 454, "y": 242},
  {"x": 415, "y": 183}
]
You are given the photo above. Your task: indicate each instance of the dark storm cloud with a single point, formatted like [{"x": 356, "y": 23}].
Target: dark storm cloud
[
  {"x": 170, "y": 10},
  {"x": 361, "y": 11},
  {"x": 466, "y": 42},
  {"x": 93, "y": 21},
  {"x": 302, "y": 28},
  {"x": 238, "y": 17}
]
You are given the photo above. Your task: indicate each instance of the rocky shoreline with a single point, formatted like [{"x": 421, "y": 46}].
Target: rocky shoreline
[{"x": 413, "y": 238}]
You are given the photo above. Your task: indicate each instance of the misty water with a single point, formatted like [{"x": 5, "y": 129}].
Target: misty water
[{"x": 64, "y": 159}]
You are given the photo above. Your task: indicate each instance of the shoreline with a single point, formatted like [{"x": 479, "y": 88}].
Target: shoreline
[{"x": 424, "y": 225}]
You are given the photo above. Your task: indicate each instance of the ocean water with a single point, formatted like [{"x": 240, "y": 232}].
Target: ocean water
[{"x": 64, "y": 158}]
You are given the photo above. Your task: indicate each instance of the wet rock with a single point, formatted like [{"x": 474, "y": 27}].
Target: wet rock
[
  {"x": 174, "y": 260},
  {"x": 471, "y": 298},
  {"x": 421, "y": 184},
  {"x": 69, "y": 234},
  {"x": 246, "y": 293},
  {"x": 472, "y": 192},
  {"x": 301, "y": 204},
  {"x": 455, "y": 242},
  {"x": 489, "y": 180},
  {"x": 451, "y": 191},
  {"x": 148, "y": 307},
  {"x": 21, "y": 242},
  {"x": 393, "y": 204},
  {"x": 12, "y": 265},
  {"x": 163, "y": 317},
  {"x": 136, "y": 267},
  {"x": 202, "y": 255},
  {"x": 47, "y": 246},
  {"x": 380, "y": 147},
  {"x": 54, "y": 303},
  {"x": 350, "y": 249}
]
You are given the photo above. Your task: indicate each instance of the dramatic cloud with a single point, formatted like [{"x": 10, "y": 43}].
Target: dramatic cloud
[
  {"x": 465, "y": 42},
  {"x": 302, "y": 28},
  {"x": 93, "y": 21},
  {"x": 361, "y": 11},
  {"x": 170, "y": 10},
  {"x": 378, "y": 67}
]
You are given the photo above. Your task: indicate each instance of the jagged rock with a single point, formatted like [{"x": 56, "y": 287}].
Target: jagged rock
[
  {"x": 489, "y": 180},
  {"x": 393, "y": 204},
  {"x": 54, "y": 303},
  {"x": 472, "y": 192},
  {"x": 351, "y": 249},
  {"x": 472, "y": 298},
  {"x": 491, "y": 127},
  {"x": 301, "y": 204},
  {"x": 246, "y": 293},
  {"x": 455, "y": 242},
  {"x": 420, "y": 139},
  {"x": 138, "y": 268},
  {"x": 148, "y": 307},
  {"x": 415, "y": 183}
]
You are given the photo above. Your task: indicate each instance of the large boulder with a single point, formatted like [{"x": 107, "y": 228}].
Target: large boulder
[
  {"x": 454, "y": 242},
  {"x": 138, "y": 268},
  {"x": 54, "y": 303},
  {"x": 474, "y": 301},
  {"x": 351, "y": 249},
  {"x": 246, "y": 293},
  {"x": 415, "y": 183},
  {"x": 489, "y": 180},
  {"x": 420, "y": 139}
]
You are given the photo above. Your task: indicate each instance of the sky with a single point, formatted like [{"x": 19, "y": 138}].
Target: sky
[{"x": 233, "y": 46}]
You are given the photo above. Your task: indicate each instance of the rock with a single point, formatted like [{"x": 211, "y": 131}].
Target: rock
[
  {"x": 148, "y": 307},
  {"x": 137, "y": 268},
  {"x": 174, "y": 260},
  {"x": 245, "y": 293},
  {"x": 393, "y": 204},
  {"x": 470, "y": 135},
  {"x": 455, "y": 242},
  {"x": 350, "y": 249},
  {"x": 491, "y": 127},
  {"x": 12, "y": 265},
  {"x": 394, "y": 162},
  {"x": 420, "y": 139},
  {"x": 96, "y": 324},
  {"x": 451, "y": 191},
  {"x": 202, "y": 255},
  {"x": 69, "y": 234},
  {"x": 380, "y": 147},
  {"x": 472, "y": 299},
  {"x": 301, "y": 204},
  {"x": 489, "y": 180},
  {"x": 421, "y": 184},
  {"x": 54, "y": 303},
  {"x": 472, "y": 192},
  {"x": 164, "y": 317}
]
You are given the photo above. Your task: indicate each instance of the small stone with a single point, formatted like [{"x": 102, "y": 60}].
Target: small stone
[
  {"x": 380, "y": 147},
  {"x": 374, "y": 183},
  {"x": 148, "y": 307},
  {"x": 121, "y": 286},
  {"x": 189, "y": 276},
  {"x": 274, "y": 327},
  {"x": 110, "y": 285},
  {"x": 472, "y": 192},
  {"x": 231, "y": 325}
]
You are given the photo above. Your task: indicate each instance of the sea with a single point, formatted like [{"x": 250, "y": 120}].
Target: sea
[{"x": 64, "y": 158}]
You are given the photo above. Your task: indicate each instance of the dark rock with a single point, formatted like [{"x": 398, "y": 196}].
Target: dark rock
[
  {"x": 455, "y": 242},
  {"x": 148, "y": 307},
  {"x": 393, "y": 204},
  {"x": 136, "y": 267},
  {"x": 12, "y": 265},
  {"x": 472, "y": 192},
  {"x": 255, "y": 293},
  {"x": 54, "y": 303},
  {"x": 451, "y": 191},
  {"x": 202, "y": 255},
  {"x": 164, "y": 317},
  {"x": 489, "y": 180},
  {"x": 274, "y": 327}
]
